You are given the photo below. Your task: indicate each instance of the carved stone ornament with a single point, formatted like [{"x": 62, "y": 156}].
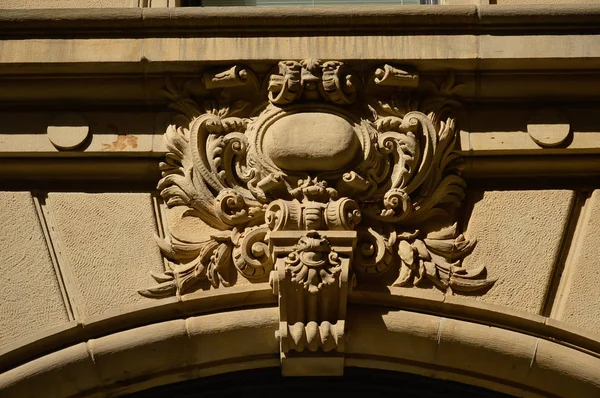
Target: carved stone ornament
[{"x": 322, "y": 180}]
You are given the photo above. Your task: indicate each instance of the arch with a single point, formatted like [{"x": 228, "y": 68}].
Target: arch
[{"x": 379, "y": 337}]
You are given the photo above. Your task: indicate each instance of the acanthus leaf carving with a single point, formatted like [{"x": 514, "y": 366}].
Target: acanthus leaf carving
[
  {"x": 321, "y": 186},
  {"x": 313, "y": 264}
]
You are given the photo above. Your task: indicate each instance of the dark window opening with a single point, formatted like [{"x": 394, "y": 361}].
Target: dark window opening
[{"x": 356, "y": 382}]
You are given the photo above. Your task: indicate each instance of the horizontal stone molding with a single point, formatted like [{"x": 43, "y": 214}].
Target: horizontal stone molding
[
  {"x": 133, "y": 84},
  {"x": 464, "y": 51},
  {"x": 431, "y": 345},
  {"x": 135, "y": 22},
  {"x": 142, "y": 172}
]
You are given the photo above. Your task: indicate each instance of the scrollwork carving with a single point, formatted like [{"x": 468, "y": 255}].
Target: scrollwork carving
[
  {"x": 387, "y": 75},
  {"x": 251, "y": 252},
  {"x": 394, "y": 167},
  {"x": 317, "y": 182},
  {"x": 310, "y": 79}
]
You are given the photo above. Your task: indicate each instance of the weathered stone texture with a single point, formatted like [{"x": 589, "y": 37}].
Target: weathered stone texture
[
  {"x": 579, "y": 297},
  {"x": 105, "y": 246},
  {"x": 31, "y": 297},
  {"x": 519, "y": 235}
]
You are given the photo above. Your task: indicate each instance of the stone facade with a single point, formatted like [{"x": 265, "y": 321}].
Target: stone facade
[{"x": 194, "y": 191}]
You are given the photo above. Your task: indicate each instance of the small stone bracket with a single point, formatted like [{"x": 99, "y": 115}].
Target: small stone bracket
[
  {"x": 548, "y": 128},
  {"x": 311, "y": 279}
]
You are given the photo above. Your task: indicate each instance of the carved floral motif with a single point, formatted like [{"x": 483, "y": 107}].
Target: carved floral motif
[
  {"x": 313, "y": 263},
  {"x": 390, "y": 155},
  {"x": 333, "y": 176}
]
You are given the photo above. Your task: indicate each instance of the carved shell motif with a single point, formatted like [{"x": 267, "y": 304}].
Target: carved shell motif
[{"x": 320, "y": 153}]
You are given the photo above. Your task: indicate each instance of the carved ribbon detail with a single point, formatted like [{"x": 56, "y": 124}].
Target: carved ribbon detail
[{"x": 318, "y": 183}]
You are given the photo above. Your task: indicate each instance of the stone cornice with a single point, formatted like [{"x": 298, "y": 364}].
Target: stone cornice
[{"x": 297, "y": 21}]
